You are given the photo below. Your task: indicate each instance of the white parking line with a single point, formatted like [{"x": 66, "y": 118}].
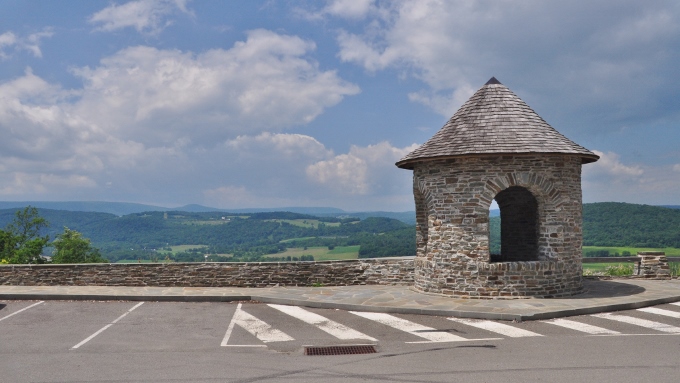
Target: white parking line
[
  {"x": 432, "y": 335},
  {"x": 336, "y": 329},
  {"x": 657, "y": 311},
  {"x": 18, "y": 311},
  {"x": 496, "y": 327},
  {"x": 101, "y": 330},
  {"x": 640, "y": 322},
  {"x": 676, "y": 303},
  {"x": 582, "y": 327},
  {"x": 256, "y": 327}
]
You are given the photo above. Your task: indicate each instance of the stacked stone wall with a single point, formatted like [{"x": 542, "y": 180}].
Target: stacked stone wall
[
  {"x": 452, "y": 211},
  {"x": 654, "y": 265},
  {"x": 379, "y": 271}
]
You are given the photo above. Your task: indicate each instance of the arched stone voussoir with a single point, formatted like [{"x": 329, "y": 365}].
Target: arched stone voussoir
[{"x": 542, "y": 188}]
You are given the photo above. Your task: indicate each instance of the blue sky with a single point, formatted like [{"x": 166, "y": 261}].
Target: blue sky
[{"x": 309, "y": 103}]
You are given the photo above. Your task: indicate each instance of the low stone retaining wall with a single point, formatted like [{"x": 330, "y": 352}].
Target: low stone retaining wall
[
  {"x": 654, "y": 265},
  {"x": 376, "y": 271},
  {"x": 539, "y": 279}
]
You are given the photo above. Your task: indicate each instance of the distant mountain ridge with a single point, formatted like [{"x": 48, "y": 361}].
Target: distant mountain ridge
[
  {"x": 125, "y": 208},
  {"x": 117, "y": 208}
]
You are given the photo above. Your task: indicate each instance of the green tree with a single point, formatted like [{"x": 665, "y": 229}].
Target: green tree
[
  {"x": 20, "y": 241},
  {"x": 71, "y": 247}
]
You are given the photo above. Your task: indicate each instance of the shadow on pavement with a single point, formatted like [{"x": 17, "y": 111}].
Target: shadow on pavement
[
  {"x": 2, "y": 306},
  {"x": 593, "y": 288}
]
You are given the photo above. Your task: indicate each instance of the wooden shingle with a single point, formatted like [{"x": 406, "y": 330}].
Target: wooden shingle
[{"x": 495, "y": 121}]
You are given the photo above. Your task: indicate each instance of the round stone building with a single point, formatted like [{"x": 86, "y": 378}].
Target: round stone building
[{"x": 497, "y": 147}]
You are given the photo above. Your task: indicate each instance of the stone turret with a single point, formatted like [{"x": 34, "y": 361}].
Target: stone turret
[{"x": 496, "y": 147}]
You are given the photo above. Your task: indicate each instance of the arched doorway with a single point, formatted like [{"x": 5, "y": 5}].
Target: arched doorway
[{"x": 519, "y": 225}]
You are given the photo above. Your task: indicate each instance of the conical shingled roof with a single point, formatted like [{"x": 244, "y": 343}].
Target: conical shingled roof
[{"x": 495, "y": 121}]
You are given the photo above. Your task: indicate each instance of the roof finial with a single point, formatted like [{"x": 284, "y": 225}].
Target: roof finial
[{"x": 493, "y": 81}]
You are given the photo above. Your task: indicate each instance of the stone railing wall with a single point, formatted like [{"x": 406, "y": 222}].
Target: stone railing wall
[
  {"x": 654, "y": 265},
  {"x": 377, "y": 271}
]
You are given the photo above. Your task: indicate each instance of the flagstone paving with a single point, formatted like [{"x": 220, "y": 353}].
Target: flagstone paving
[{"x": 598, "y": 296}]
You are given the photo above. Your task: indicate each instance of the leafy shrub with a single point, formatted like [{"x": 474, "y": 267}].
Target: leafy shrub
[{"x": 620, "y": 269}]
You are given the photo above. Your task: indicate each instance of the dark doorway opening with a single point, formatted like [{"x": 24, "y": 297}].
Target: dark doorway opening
[{"x": 519, "y": 225}]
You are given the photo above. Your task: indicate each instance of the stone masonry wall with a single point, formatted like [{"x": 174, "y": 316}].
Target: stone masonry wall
[
  {"x": 654, "y": 265},
  {"x": 379, "y": 271},
  {"x": 452, "y": 212}
]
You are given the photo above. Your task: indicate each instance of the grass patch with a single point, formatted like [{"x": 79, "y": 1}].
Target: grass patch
[
  {"x": 670, "y": 251},
  {"x": 613, "y": 269},
  {"x": 345, "y": 250},
  {"x": 211, "y": 222},
  {"x": 180, "y": 248},
  {"x": 295, "y": 239},
  {"x": 321, "y": 253},
  {"x": 308, "y": 223}
]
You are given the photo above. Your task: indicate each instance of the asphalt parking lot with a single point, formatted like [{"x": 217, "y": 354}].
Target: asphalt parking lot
[{"x": 59, "y": 341}]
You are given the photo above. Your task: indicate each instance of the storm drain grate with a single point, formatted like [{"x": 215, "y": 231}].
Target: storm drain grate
[{"x": 340, "y": 350}]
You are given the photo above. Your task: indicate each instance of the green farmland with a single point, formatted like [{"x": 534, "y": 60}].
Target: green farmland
[
  {"x": 670, "y": 251},
  {"x": 320, "y": 253}
]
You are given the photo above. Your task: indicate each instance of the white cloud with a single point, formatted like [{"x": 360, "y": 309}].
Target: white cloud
[
  {"x": 262, "y": 84},
  {"x": 41, "y": 183},
  {"x": 236, "y": 197},
  {"x": 278, "y": 170},
  {"x": 31, "y": 43},
  {"x": 579, "y": 54},
  {"x": 610, "y": 166},
  {"x": 444, "y": 104},
  {"x": 286, "y": 146},
  {"x": 609, "y": 179},
  {"x": 145, "y": 16},
  {"x": 676, "y": 167},
  {"x": 353, "y": 9},
  {"x": 362, "y": 171},
  {"x": 347, "y": 9},
  {"x": 7, "y": 39},
  {"x": 148, "y": 119}
]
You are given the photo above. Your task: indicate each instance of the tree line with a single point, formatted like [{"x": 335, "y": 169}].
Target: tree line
[{"x": 22, "y": 242}]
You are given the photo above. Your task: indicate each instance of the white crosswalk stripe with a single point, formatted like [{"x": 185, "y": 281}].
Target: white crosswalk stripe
[
  {"x": 267, "y": 333},
  {"x": 497, "y": 327},
  {"x": 336, "y": 329},
  {"x": 640, "y": 322},
  {"x": 429, "y": 333},
  {"x": 582, "y": 327},
  {"x": 256, "y": 327},
  {"x": 658, "y": 311}
]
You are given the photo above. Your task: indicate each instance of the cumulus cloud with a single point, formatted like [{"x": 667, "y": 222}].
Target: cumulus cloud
[
  {"x": 362, "y": 171},
  {"x": 288, "y": 146},
  {"x": 353, "y": 9},
  {"x": 278, "y": 170},
  {"x": 558, "y": 50},
  {"x": 235, "y": 197},
  {"x": 348, "y": 9},
  {"x": 609, "y": 179},
  {"x": 262, "y": 84},
  {"x": 10, "y": 42},
  {"x": 146, "y": 119},
  {"x": 610, "y": 166},
  {"x": 145, "y": 16}
]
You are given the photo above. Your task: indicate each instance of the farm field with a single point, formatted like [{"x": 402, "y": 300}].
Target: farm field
[
  {"x": 670, "y": 251},
  {"x": 320, "y": 253},
  {"x": 308, "y": 223},
  {"x": 180, "y": 248}
]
